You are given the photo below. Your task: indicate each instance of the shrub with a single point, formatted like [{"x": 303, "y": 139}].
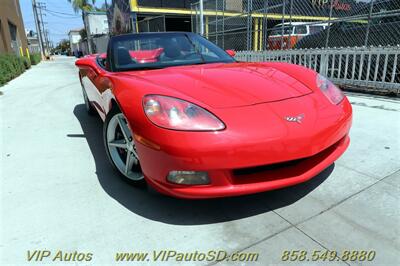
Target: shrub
[
  {"x": 35, "y": 58},
  {"x": 11, "y": 66},
  {"x": 5, "y": 70}
]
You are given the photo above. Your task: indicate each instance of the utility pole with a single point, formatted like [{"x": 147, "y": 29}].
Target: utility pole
[
  {"x": 46, "y": 37},
  {"x": 40, "y": 6},
  {"x": 38, "y": 29}
]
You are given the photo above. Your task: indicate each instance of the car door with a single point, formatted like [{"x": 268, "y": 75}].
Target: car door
[{"x": 95, "y": 83}]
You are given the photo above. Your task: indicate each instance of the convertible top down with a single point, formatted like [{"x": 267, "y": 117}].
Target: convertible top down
[{"x": 181, "y": 115}]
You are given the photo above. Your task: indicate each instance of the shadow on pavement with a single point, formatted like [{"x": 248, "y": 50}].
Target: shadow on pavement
[{"x": 152, "y": 205}]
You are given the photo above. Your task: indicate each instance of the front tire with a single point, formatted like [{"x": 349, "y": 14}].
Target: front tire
[{"x": 120, "y": 147}]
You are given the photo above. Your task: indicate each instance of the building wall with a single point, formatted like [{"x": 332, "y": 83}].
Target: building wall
[
  {"x": 12, "y": 31},
  {"x": 97, "y": 23},
  {"x": 74, "y": 39}
]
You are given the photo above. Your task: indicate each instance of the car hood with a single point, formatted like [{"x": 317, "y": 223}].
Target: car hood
[{"x": 228, "y": 85}]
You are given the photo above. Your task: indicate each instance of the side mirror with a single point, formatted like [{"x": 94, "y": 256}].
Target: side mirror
[{"x": 231, "y": 52}]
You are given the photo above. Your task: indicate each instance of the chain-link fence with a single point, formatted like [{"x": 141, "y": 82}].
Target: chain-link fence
[
  {"x": 292, "y": 24},
  {"x": 353, "y": 42}
]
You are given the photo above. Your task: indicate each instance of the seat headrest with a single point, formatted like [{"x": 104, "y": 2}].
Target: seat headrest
[{"x": 123, "y": 56}]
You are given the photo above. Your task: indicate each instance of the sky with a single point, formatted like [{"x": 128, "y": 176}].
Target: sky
[{"x": 58, "y": 24}]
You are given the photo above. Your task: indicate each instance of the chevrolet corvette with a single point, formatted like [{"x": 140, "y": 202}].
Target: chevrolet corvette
[{"x": 183, "y": 116}]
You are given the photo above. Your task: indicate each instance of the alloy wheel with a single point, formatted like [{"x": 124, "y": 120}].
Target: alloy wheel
[{"x": 122, "y": 149}]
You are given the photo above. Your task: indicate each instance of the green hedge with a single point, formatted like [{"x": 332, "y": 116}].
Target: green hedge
[
  {"x": 11, "y": 66},
  {"x": 35, "y": 58}
]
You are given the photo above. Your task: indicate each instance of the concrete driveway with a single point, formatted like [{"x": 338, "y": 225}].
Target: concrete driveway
[{"x": 58, "y": 191}]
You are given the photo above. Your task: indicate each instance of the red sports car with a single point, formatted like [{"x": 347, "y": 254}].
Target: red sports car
[{"x": 183, "y": 116}]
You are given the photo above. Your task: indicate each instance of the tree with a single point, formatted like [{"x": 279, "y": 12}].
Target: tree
[
  {"x": 84, "y": 5},
  {"x": 83, "y": 34},
  {"x": 62, "y": 46}
]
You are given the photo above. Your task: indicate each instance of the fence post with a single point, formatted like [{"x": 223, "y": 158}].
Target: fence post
[
  {"x": 216, "y": 22},
  {"x": 265, "y": 26},
  {"x": 206, "y": 28},
  {"x": 323, "y": 68},
  {"x": 371, "y": 6},
  {"x": 191, "y": 18},
  {"x": 283, "y": 21},
  {"x": 223, "y": 24},
  {"x": 255, "y": 35},
  {"x": 201, "y": 18},
  {"x": 197, "y": 18},
  {"x": 290, "y": 21},
  {"x": 164, "y": 25},
  {"x": 329, "y": 24},
  {"x": 249, "y": 24}
]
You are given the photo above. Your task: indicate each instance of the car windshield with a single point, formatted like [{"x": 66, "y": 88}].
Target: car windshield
[{"x": 160, "y": 50}]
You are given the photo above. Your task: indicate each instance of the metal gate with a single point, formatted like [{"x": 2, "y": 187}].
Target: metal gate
[{"x": 152, "y": 24}]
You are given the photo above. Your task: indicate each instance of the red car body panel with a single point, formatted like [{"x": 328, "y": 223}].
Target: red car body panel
[
  {"x": 257, "y": 151},
  {"x": 259, "y": 86}
]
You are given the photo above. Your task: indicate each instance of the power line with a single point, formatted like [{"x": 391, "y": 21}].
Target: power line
[
  {"x": 61, "y": 13},
  {"x": 58, "y": 16}
]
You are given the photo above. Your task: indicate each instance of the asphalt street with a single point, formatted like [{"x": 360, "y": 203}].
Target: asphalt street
[{"x": 58, "y": 191}]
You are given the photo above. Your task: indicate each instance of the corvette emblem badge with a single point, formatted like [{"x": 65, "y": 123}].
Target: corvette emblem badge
[{"x": 297, "y": 119}]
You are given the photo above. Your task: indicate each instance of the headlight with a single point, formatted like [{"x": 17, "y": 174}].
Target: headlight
[
  {"x": 177, "y": 114},
  {"x": 333, "y": 93}
]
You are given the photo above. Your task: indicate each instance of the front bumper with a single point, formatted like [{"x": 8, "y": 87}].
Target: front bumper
[
  {"x": 229, "y": 184},
  {"x": 272, "y": 155}
]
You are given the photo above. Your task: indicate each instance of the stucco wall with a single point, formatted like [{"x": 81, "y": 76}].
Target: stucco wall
[
  {"x": 97, "y": 23},
  {"x": 10, "y": 12}
]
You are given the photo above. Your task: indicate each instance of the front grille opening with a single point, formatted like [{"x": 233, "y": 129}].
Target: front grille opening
[
  {"x": 264, "y": 168},
  {"x": 281, "y": 170}
]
